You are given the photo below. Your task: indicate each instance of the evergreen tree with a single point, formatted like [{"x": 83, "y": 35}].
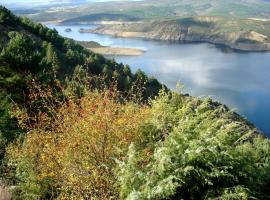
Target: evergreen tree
[{"x": 21, "y": 52}]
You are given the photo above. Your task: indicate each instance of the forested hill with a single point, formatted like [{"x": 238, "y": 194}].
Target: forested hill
[
  {"x": 30, "y": 51},
  {"x": 33, "y": 48}
]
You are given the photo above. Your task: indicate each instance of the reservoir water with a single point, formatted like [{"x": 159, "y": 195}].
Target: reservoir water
[{"x": 239, "y": 80}]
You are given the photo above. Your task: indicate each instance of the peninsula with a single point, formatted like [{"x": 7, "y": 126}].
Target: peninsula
[{"x": 110, "y": 51}]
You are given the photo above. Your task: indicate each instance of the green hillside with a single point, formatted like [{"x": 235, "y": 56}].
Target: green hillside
[
  {"x": 156, "y": 9},
  {"x": 31, "y": 52}
]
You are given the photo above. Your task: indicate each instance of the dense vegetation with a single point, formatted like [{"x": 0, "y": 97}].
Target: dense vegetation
[
  {"x": 178, "y": 148},
  {"x": 194, "y": 149},
  {"x": 69, "y": 117},
  {"x": 32, "y": 51}
]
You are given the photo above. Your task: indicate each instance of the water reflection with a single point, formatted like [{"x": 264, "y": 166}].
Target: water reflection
[{"x": 240, "y": 80}]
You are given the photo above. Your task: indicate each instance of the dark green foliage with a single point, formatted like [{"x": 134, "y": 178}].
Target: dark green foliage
[
  {"x": 79, "y": 83},
  {"x": 8, "y": 125},
  {"x": 6, "y": 17},
  {"x": 11, "y": 85},
  {"x": 127, "y": 70},
  {"x": 21, "y": 52},
  {"x": 140, "y": 75}
]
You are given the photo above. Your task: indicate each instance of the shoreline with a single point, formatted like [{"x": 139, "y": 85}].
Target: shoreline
[
  {"x": 116, "y": 51},
  {"x": 211, "y": 30},
  {"x": 244, "y": 47},
  {"x": 110, "y": 51}
]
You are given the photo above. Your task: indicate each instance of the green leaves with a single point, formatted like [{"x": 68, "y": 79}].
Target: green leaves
[
  {"x": 201, "y": 151},
  {"x": 6, "y": 17},
  {"x": 21, "y": 52}
]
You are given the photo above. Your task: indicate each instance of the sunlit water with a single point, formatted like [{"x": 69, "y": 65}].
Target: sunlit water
[{"x": 240, "y": 80}]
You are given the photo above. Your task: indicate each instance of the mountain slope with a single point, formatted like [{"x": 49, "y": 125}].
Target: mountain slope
[
  {"x": 153, "y": 9},
  {"x": 239, "y": 34},
  {"x": 32, "y": 53}
]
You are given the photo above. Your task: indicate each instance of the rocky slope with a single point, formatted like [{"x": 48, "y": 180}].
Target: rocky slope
[{"x": 239, "y": 34}]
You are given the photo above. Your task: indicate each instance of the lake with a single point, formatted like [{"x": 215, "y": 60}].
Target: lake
[{"x": 239, "y": 80}]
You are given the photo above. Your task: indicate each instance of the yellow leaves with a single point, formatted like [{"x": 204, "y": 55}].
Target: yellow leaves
[
  {"x": 79, "y": 154},
  {"x": 43, "y": 157}
]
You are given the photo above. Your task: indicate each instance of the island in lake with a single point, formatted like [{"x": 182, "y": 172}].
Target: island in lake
[{"x": 68, "y": 30}]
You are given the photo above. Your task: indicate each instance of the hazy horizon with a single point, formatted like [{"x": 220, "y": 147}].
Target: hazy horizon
[{"x": 34, "y": 3}]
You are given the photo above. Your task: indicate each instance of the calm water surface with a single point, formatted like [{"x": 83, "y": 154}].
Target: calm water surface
[{"x": 240, "y": 80}]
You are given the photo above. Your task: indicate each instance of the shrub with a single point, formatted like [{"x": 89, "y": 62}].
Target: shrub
[
  {"x": 74, "y": 157},
  {"x": 195, "y": 149}
]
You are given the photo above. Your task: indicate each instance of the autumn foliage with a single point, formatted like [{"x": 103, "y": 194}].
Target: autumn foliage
[
  {"x": 74, "y": 155},
  {"x": 103, "y": 147}
]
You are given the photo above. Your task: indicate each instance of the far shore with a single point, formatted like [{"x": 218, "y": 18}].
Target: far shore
[
  {"x": 106, "y": 50},
  {"x": 100, "y": 22}
]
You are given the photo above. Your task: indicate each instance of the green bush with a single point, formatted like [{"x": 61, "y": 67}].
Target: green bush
[{"x": 195, "y": 149}]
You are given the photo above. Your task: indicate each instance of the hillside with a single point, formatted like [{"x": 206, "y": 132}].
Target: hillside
[
  {"x": 32, "y": 53},
  {"x": 153, "y": 10},
  {"x": 100, "y": 17},
  {"x": 74, "y": 125},
  {"x": 239, "y": 34},
  {"x": 48, "y": 53}
]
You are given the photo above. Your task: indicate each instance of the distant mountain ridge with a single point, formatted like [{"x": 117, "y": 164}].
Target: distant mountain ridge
[
  {"x": 159, "y": 9},
  {"x": 239, "y": 34},
  {"x": 101, "y": 17}
]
